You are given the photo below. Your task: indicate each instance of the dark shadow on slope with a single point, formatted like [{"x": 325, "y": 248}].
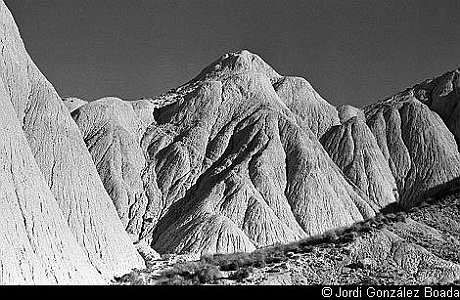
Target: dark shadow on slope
[
  {"x": 245, "y": 263},
  {"x": 430, "y": 196}
]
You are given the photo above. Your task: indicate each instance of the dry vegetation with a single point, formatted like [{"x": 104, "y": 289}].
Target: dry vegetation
[
  {"x": 239, "y": 266},
  {"x": 435, "y": 211}
]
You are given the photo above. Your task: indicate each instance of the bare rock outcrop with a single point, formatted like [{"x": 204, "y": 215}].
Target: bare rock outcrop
[
  {"x": 419, "y": 148},
  {"x": 231, "y": 167},
  {"x": 308, "y": 106},
  {"x": 230, "y": 161},
  {"x": 354, "y": 149},
  {"x": 112, "y": 131},
  {"x": 36, "y": 244},
  {"x": 227, "y": 162},
  {"x": 73, "y": 103},
  {"x": 238, "y": 158},
  {"x": 412, "y": 131},
  {"x": 442, "y": 95},
  {"x": 347, "y": 112},
  {"x": 63, "y": 159}
]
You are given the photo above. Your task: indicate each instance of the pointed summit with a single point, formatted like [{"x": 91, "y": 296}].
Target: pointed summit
[{"x": 237, "y": 63}]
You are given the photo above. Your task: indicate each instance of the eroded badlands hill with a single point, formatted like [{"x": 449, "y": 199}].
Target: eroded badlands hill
[
  {"x": 58, "y": 223},
  {"x": 231, "y": 162},
  {"x": 36, "y": 244},
  {"x": 420, "y": 149},
  {"x": 354, "y": 149},
  {"x": 419, "y": 246},
  {"x": 241, "y": 157}
]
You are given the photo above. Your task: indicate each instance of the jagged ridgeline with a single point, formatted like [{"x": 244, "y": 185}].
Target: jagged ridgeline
[{"x": 238, "y": 158}]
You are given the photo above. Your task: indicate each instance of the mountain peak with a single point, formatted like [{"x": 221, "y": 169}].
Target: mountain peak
[{"x": 239, "y": 62}]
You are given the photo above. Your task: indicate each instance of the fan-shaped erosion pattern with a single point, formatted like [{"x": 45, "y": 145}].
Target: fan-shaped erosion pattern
[
  {"x": 229, "y": 162},
  {"x": 420, "y": 149}
]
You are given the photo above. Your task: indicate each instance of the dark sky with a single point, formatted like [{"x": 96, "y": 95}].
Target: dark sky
[{"x": 351, "y": 51}]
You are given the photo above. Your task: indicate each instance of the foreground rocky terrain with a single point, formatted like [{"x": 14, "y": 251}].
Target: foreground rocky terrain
[
  {"x": 419, "y": 246},
  {"x": 238, "y": 159}
]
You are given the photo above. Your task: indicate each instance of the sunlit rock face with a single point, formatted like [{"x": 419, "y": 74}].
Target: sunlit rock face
[
  {"x": 36, "y": 244},
  {"x": 112, "y": 131},
  {"x": 442, "y": 95},
  {"x": 231, "y": 161},
  {"x": 73, "y": 103},
  {"x": 354, "y": 149},
  {"x": 65, "y": 205},
  {"x": 239, "y": 157},
  {"x": 420, "y": 149},
  {"x": 242, "y": 157}
]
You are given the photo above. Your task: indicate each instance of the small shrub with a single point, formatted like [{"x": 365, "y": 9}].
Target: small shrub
[
  {"x": 192, "y": 273},
  {"x": 134, "y": 277},
  {"x": 369, "y": 281},
  {"x": 349, "y": 237},
  {"x": 259, "y": 264},
  {"x": 258, "y": 260},
  {"x": 235, "y": 261},
  {"x": 241, "y": 274},
  {"x": 391, "y": 217},
  {"x": 211, "y": 259},
  {"x": 354, "y": 228},
  {"x": 208, "y": 274},
  {"x": 365, "y": 227},
  {"x": 330, "y": 236},
  {"x": 340, "y": 230},
  {"x": 356, "y": 265},
  {"x": 307, "y": 249},
  {"x": 174, "y": 280},
  {"x": 230, "y": 266},
  {"x": 294, "y": 248},
  {"x": 400, "y": 217}
]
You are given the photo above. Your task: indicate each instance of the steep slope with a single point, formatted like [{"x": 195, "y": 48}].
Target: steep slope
[
  {"x": 442, "y": 95},
  {"x": 230, "y": 161},
  {"x": 354, "y": 149},
  {"x": 62, "y": 157},
  {"x": 228, "y": 165},
  {"x": 112, "y": 131},
  {"x": 415, "y": 141},
  {"x": 420, "y": 149},
  {"x": 259, "y": 171},
  {"x": 36, "y": 245},
  {"x": 300, "y": 97}
]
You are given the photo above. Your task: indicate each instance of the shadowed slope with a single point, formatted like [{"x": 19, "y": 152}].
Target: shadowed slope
[
  {"x": 230, "y": 164},
  {"x": 237, "y": 158}
]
